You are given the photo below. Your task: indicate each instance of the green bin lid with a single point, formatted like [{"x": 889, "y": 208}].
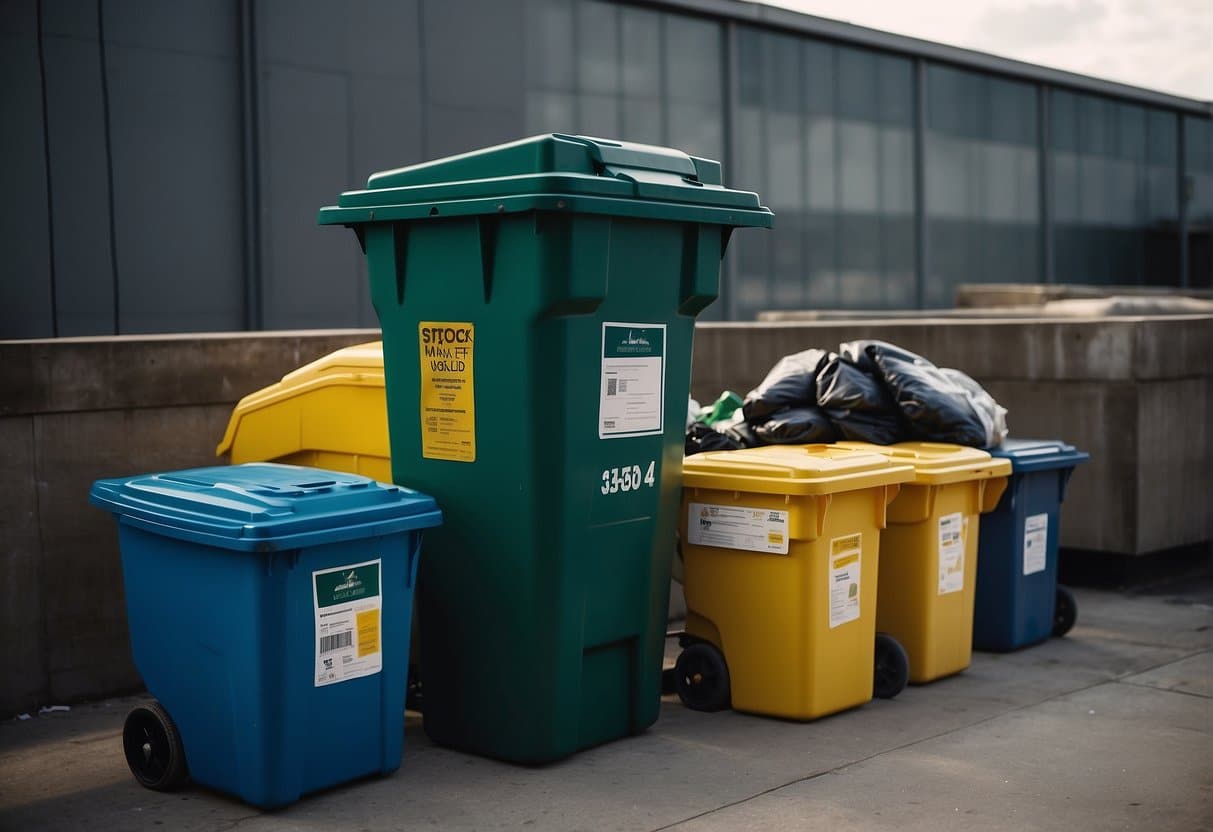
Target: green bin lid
[{"x": 554, "y": 172}]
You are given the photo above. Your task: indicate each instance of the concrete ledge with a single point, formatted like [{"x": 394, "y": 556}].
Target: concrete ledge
[
  {"x": 978, "y": 295},
  {"x": 727, "y": 355},
  {"x": 68, "y": 375}
]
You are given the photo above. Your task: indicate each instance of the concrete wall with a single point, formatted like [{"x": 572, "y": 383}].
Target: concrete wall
[
  {"x": 1133, "y": 392},
  {"x": 75, "y": 410},
  {"x": 1137, "y": 393}
]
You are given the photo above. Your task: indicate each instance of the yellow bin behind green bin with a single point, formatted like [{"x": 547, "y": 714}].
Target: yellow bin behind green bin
[
  {"x": 781, "y": 548},
  {"x": 329, "y": 414},
  {"x": 928, "y": 553}
]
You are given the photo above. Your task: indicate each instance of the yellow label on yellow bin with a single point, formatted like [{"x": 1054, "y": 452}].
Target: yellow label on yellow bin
[
  {"x": 845, "y": 556},
  {"x": 448, "y": 392},
  {"x": 368, "y": 632}
]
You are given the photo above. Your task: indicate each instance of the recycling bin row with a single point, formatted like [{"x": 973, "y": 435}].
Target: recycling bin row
[{"x": 537, "y": 303}]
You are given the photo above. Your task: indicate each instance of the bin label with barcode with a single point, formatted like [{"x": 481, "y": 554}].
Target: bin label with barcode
[
  {"x": 349, "y": 633},
  {"x": 1035, "y": 543},
  {"x": 631, "y": 397},
  {"x": 951, "y": 553},
  {"x": 738, "y": 527},
  {"x": 448, "y": 391},
  {"x": 845, "y": 557}
]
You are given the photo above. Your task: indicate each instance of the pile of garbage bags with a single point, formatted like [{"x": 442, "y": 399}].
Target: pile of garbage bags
[{"x": 868, "y": 391}]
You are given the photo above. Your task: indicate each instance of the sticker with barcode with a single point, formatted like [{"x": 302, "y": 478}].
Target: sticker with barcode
[
  {"x": 348, "y": 607},
  {"x": 632, "y": 393}
]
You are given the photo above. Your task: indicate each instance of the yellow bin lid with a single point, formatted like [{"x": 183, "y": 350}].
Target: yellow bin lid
[
  {"x": 938, "y": 463},
  {"x": 357, "y": 366},
  {"x": 358, "y": 359},
  {"x": 793, "y": 470}
]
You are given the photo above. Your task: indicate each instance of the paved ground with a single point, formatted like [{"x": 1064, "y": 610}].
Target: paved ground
[{"x": 1107, "y": 729}]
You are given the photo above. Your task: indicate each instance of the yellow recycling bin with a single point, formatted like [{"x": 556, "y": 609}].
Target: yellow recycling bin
[
  {"x": 328, "y": 414},
  {"x": 928, "y": 568},
  {"x": 781, "y": 548}
]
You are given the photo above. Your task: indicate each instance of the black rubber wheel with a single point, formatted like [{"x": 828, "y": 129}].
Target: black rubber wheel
[
  {"x": 1065, "y": 612},
  {"x": 891, "y": 670},
  {"x": 702, "y": 678},
  {"x": 153, "y": 748}
]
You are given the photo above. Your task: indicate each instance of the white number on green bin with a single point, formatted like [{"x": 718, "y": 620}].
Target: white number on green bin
[{"x": 628, "y": 478}]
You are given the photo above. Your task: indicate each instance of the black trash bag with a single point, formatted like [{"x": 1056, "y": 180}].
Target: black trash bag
[
  {"x": 936, "y": 407},
  {"x": 792, "y": 382},
  {"x": 737, "y": 429},
  {"x": 796, "y": 426},
  {"x": 858, "y": 405},
  {"x": 701, "y": 437},
  {"x": 862, "y": 354},
  {"x": 993, "y": 415}
]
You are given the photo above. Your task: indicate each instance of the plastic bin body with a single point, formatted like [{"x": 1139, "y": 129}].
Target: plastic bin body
[
  {"x": 928, "y": 563},
  {"x": 543, "y": 631},
  {"x": 1017, "y": 571},
  {"x": 794, "y": 646},
  {"x": 331, "y": 414},
  {"x": 220, "y": 603}
]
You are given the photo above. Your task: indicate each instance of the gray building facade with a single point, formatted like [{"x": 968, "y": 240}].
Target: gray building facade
[{"x": 163, "y": 162}]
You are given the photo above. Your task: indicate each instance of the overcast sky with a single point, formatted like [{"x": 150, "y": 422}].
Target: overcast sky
[{"x": 1164, "y": 45}]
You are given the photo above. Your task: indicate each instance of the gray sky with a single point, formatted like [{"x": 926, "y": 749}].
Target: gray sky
[{"x": 1164, "y": 45}]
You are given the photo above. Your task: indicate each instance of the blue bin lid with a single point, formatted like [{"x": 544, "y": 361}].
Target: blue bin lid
[
  {"x": 264, "y": 506},
  {"x": 1039, "y": 454}
]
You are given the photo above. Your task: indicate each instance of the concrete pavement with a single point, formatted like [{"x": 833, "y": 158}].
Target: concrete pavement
[{"x": 1109, "y": 728}]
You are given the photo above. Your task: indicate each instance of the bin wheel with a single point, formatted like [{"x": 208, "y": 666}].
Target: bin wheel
[
  {"x": 701, "y": 677},
  {"x": 891, "y": 670},
  {"x": 1065, "y": 612},
  {"x": 153, "y": 748}
]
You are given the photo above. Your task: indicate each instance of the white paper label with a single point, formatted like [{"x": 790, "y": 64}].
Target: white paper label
[
  {"x": 951, "y": 553},
  {"x": 348, "y": 606},
  {"x": 845, "y": 557},
  {"x": 1035, "y": 543},
  {"x": 631, "y": 396},
  {"x": 738, "y": 527}
]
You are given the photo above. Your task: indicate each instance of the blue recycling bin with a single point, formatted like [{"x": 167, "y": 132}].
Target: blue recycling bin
[
  {"x": 269, "y": 610},
  {"x": 1018, "y": 600}
]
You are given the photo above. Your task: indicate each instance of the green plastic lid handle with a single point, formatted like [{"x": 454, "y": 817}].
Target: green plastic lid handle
[{"x": 611, "y": 154}]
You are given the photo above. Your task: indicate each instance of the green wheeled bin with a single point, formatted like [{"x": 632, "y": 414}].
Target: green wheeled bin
[{"x": 538, "y": 302}]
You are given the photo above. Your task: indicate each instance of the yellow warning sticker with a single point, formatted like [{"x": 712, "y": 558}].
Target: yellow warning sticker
[
  {"x": 368, "y": 632},
  {"x": 448, "y": 394}
]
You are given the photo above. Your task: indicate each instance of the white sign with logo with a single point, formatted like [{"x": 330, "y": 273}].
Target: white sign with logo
[
  {"x": 631, "y": 396},
  {"x": 348, "y": 604}
]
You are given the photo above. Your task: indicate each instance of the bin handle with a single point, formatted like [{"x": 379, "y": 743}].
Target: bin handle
[{"x": 608, "y": 154}]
